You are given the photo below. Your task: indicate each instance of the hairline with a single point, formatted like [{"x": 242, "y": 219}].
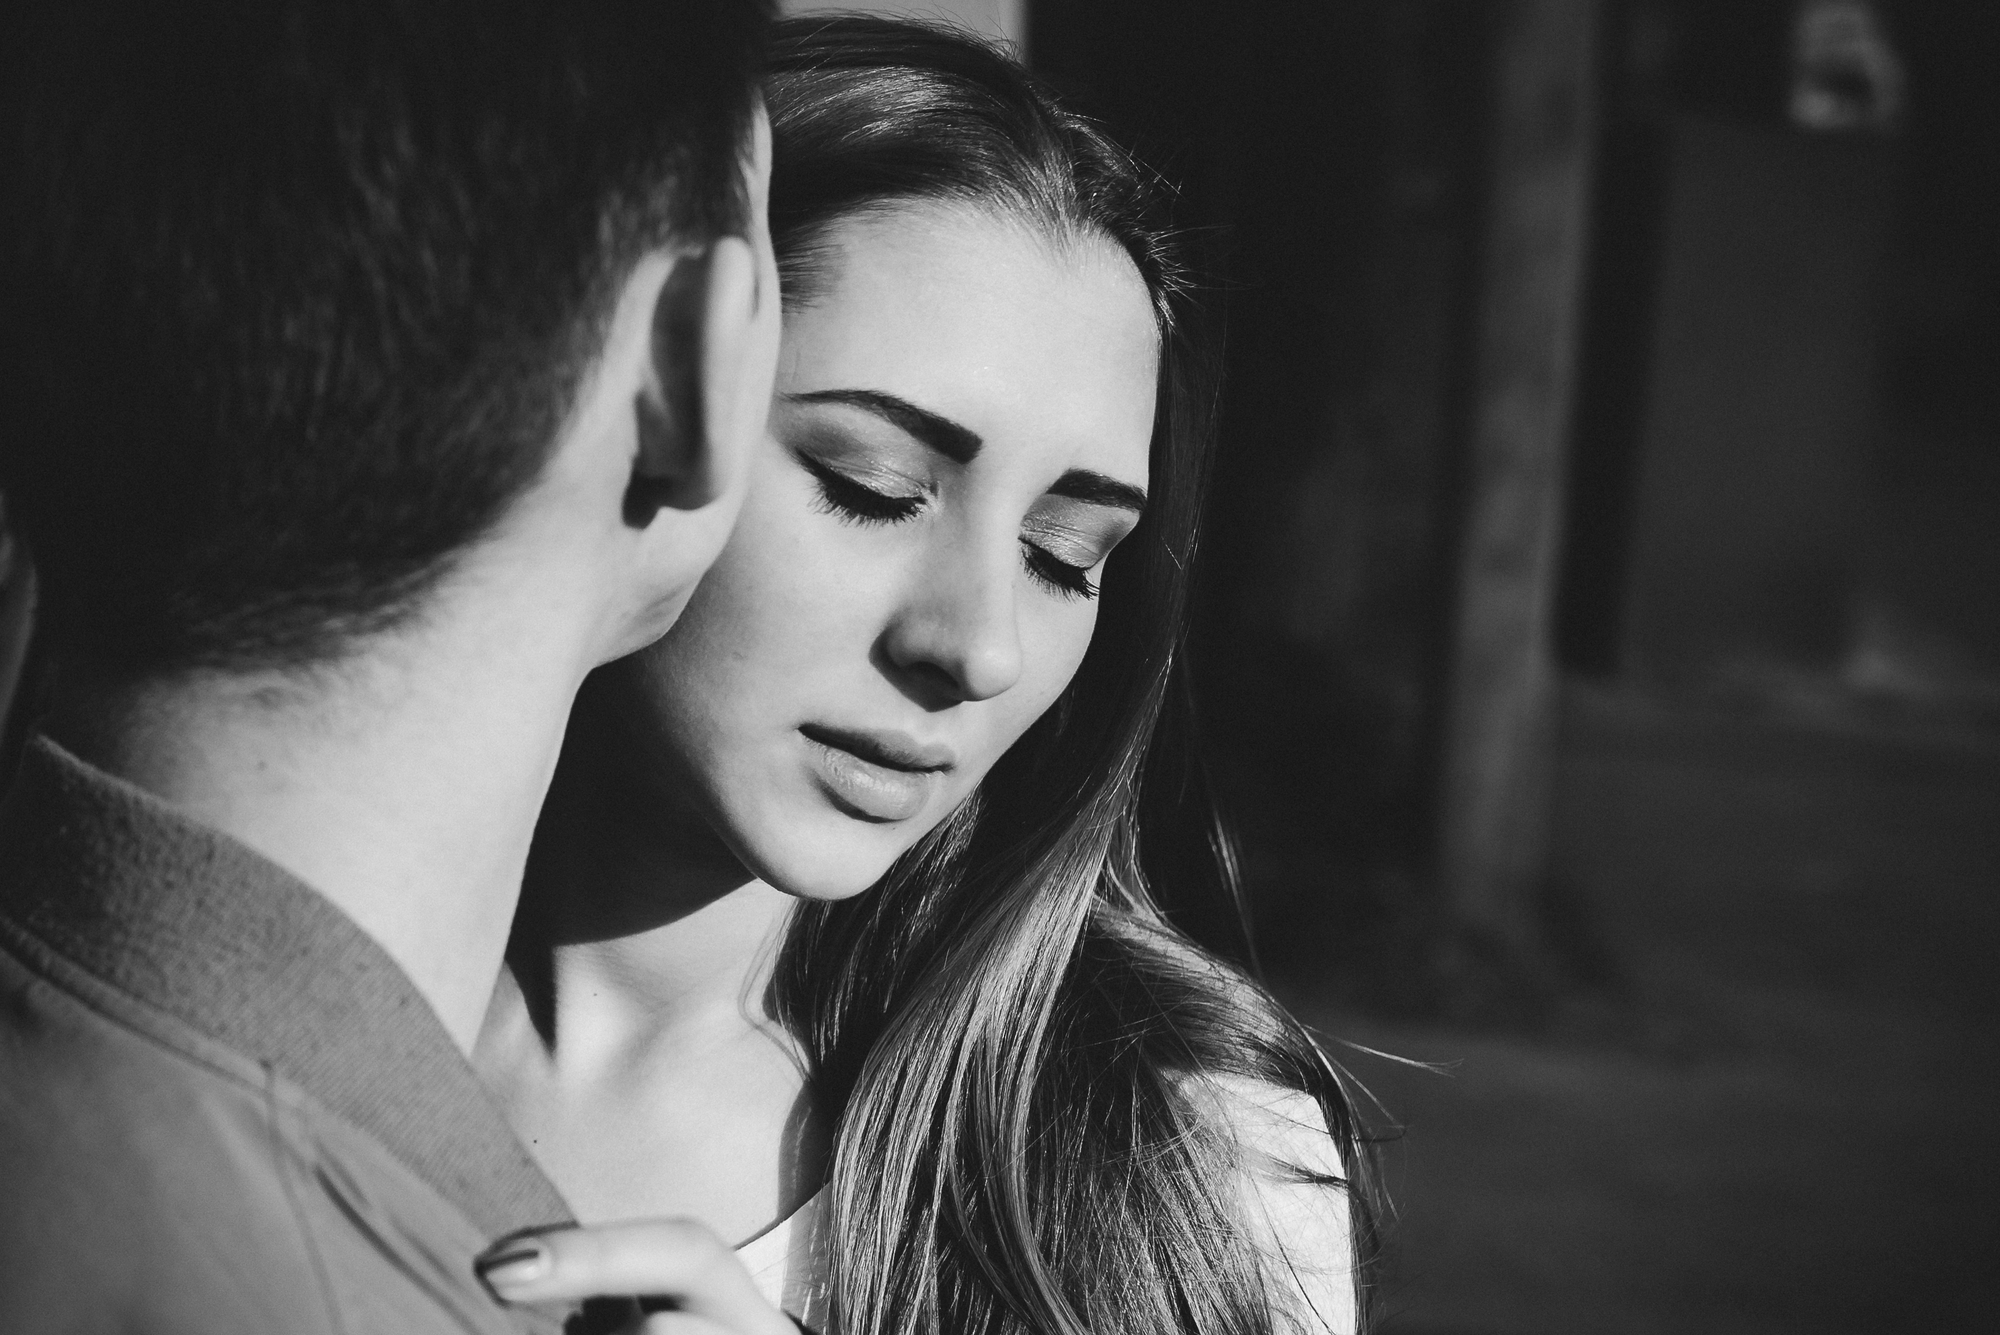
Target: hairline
[{"x": 1059, "y": 232}]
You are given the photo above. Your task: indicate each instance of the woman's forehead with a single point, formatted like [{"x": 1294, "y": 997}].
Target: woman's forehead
[{"x": 987, "y": 320}]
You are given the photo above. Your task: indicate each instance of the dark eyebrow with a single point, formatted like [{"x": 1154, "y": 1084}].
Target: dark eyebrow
[
  {"x": 942, "y": 434},
  {"x": 1080, "y": 484}
]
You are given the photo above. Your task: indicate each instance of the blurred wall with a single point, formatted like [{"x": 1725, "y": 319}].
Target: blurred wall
[
  {"x": 1761, "y": 399},
  {"x": 1783, "y": 487},
  {"x": 1787, "y": 482}
]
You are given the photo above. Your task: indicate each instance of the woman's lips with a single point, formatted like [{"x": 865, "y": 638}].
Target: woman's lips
[{"x": 874, "y": 776}]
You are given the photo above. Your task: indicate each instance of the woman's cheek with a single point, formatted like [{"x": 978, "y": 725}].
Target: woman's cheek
[
  {"x": 1065, "y": 639},
  {"x": 1055, "y": 642},
  {"x": 780, "y": 586}
]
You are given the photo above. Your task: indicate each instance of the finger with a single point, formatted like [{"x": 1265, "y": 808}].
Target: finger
[{"x": 676, "y": 1259}]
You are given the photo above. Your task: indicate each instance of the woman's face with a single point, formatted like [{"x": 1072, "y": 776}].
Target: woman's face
[{"x": 960, "y": 437}]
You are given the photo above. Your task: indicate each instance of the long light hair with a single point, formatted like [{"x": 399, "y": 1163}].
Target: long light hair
[{"x": 1007, "y": 1030}]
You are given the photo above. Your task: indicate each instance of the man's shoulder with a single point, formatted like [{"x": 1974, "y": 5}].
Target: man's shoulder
[
  {"x": 90, "y": 1070},
  {"x": 158, "y": 1181},
  {"x": 144, "y": 1177}
]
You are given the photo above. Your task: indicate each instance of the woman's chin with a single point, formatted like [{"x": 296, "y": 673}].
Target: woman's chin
[
  {"x": 827, "y": 885},
  {"x": 823, "y": 869},
  {"x": 811, "y": 851}
]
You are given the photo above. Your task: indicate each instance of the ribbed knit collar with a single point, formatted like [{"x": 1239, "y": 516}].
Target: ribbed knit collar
[{"x": 192, "y": 922}]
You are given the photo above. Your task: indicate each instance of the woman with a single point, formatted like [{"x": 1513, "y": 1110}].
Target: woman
[{"x": 840, "y": 932}]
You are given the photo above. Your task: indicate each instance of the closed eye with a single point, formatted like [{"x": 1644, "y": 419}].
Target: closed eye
[
  {"x": 1057, "y": 575},
  {"x": 845, "y": 498}
]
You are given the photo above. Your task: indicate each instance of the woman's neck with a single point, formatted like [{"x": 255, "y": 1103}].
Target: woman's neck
[
  {"x": 629, "y": 1041},
  {"x": 634, "y": 919},
  {"x": 676, "y": 987}
]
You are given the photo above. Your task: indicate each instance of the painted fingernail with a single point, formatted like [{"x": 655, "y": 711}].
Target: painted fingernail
[{"x": 514, "y": 1264}]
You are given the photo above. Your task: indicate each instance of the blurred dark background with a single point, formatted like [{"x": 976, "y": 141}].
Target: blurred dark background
[
  {"x": 1599, "y": 634},
  {"x": 1600, "y": 630}
]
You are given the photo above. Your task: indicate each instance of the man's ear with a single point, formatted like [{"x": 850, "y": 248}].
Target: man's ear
[{"x": 684, "y": 411}]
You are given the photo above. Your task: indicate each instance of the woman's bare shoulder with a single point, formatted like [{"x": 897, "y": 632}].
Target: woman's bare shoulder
[{"x": 1292, "y": 1188}]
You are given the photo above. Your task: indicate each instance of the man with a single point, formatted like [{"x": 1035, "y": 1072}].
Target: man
[{"x": 375, "y": 370}]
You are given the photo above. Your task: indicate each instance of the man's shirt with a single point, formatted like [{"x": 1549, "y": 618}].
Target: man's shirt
[{"x": 223, "y": 1108}]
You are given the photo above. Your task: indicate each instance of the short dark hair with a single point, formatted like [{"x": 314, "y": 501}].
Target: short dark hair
[{"x": 299, "y": 292}]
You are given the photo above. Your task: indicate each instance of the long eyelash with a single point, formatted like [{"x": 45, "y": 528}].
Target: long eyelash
[
  {"x": 1068, "y": 580},
  {"x": 843, "y": 497}
]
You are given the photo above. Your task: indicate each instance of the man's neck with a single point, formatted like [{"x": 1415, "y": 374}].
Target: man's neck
[{"x": 407, "y": 796}]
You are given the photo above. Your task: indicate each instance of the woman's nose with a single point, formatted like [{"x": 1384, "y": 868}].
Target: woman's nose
[{"x": 957, "y": 637}]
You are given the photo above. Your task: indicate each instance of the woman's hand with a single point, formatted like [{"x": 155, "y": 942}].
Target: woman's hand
[{"x": 676, "y": 1263}]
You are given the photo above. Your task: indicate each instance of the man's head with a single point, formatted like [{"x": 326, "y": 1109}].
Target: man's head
[{"x": 303, "y": 296}]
